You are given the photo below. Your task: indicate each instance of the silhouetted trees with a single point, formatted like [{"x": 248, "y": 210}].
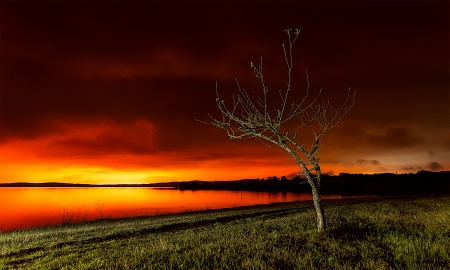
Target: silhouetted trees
[{"x": 344, "y": 184}]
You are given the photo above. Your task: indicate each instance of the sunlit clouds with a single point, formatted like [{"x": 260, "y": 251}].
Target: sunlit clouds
[{"x": 109, "y": 92}]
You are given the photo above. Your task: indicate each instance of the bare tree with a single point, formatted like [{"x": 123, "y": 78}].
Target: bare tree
[{"x": 248, "y": 118}]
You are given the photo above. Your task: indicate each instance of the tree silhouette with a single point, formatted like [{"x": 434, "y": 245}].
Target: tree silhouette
[{"x": 248, "y": 118}]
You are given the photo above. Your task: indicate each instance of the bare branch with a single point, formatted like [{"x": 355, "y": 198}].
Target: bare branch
[{"x": 256, "y": 121}]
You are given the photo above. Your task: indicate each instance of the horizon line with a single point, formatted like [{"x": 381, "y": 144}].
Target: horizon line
[{"x": 174, "y": 182}]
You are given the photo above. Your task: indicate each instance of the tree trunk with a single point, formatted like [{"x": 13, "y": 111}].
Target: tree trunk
[
  {"x": 315, "y": 185},
  {"x": 319, "y": 210}
]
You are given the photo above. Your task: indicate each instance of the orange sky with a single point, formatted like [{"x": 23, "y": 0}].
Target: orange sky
[{"x": 103, "y": 93}]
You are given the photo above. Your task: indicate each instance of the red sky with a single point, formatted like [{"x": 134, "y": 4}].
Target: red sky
[{"x": 107, "y": 92}]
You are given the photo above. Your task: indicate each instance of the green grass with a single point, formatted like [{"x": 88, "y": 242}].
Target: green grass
[{"x": 389, "y": 233}]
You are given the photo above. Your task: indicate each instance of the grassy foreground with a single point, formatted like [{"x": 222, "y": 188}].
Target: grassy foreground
[{"x": 403, "y": 233}]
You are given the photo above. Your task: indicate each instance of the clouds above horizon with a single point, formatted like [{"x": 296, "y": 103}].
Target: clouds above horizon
[
  {"x": 100, "y": 82},
  {"x": 431, "y": 166}
]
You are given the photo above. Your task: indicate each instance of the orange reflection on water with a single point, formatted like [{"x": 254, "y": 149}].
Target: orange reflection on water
[{"x": 34, "y": 207}]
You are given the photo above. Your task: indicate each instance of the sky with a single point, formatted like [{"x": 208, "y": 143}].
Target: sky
[{"x": 108, "y": 92}]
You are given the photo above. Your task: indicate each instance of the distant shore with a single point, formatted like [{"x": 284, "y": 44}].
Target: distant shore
[
  {"x": 422, "y": 182},
  {"x": 56, "y": 184}
]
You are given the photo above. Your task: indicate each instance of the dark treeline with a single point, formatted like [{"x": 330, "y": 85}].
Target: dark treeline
[{"x": 344, "y": 183}]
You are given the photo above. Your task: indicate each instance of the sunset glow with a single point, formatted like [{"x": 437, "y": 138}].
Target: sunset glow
[
  {"x": 47, "y": 206},
  {"x": 104, "y": 94}
]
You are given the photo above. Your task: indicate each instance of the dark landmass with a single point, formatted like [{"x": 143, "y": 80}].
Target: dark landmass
[
  {"x": 423, "y": 182},
  {"x": 54, "y": 184}
]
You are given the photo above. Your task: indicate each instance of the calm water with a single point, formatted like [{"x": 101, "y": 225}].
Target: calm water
[{"x": 22, "y": 208}]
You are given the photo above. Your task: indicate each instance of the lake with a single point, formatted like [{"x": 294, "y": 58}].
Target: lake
[{"x": 23, "y": 208}]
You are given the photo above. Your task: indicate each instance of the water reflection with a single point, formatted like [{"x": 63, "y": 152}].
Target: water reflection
[{"x": 30, "y": 207}]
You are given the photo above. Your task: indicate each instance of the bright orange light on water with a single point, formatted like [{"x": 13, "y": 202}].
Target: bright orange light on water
[{"x": 29, "y": 207}]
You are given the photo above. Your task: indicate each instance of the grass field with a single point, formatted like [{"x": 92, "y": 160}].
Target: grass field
[{"x": 382, "y": 233}]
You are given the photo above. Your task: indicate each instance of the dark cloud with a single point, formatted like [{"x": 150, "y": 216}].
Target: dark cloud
[
  {"x": 364, "y": 161},
  {"x": 143, "y": 143},
  {"x": 431, "y": 166},
  {"x": 377, "y": 138},
  {"x": 76, "y": 64},
  {"x": 394, "y": 137},
  {"x": 412, "y": 168},
  {"x": 434, "y": 166},
  {"x": 104, "y": 138}
]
